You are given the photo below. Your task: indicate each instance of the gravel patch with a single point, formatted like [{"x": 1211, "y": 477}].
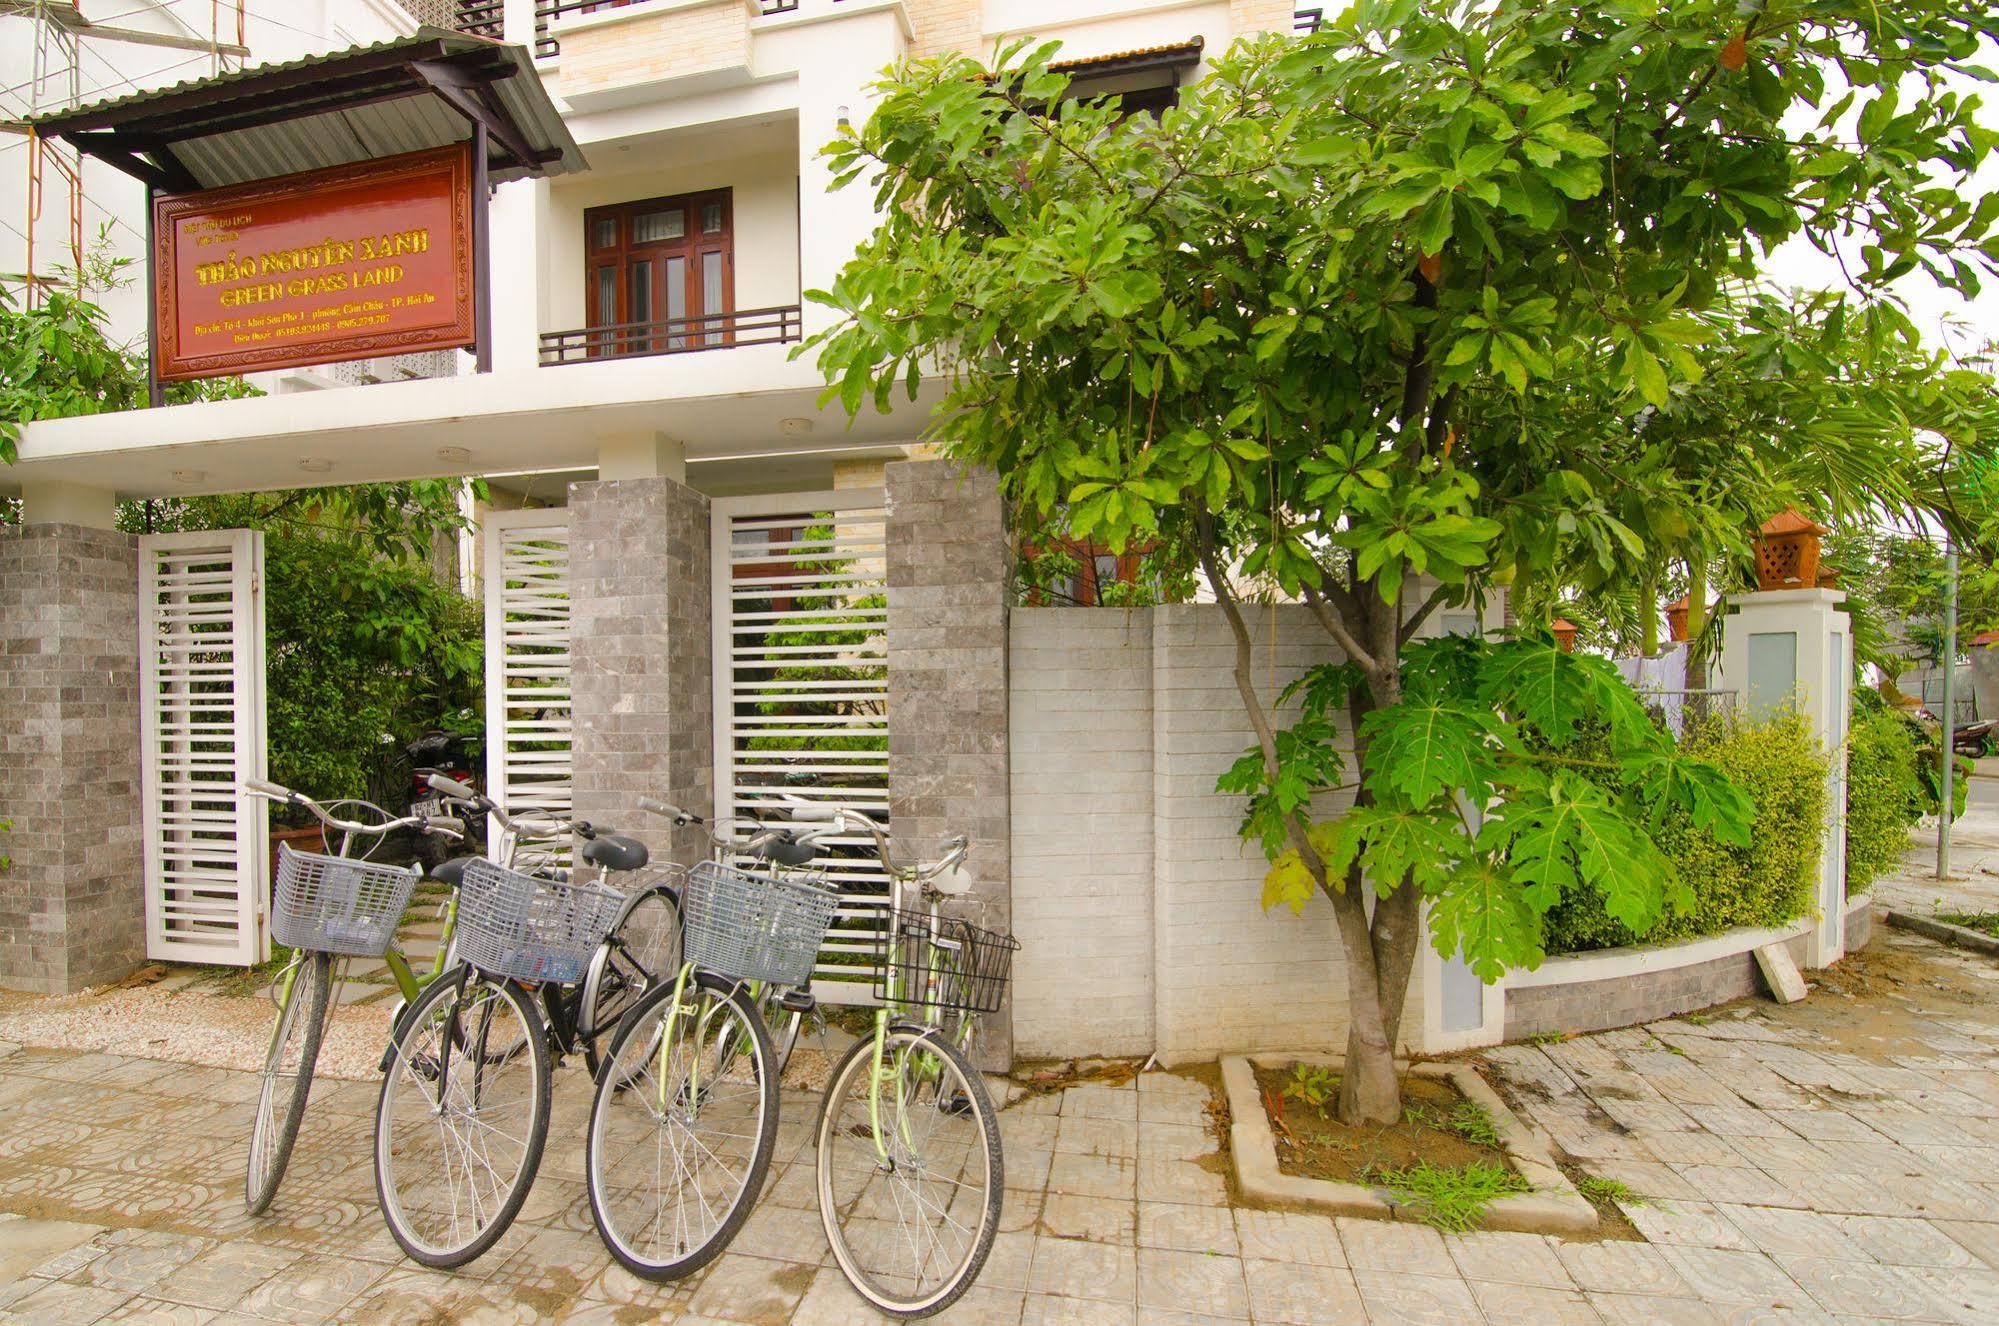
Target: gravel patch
[{"x": 188, "y": 1026}]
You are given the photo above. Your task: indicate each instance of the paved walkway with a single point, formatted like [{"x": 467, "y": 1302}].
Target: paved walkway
[{"x": 1837, "y": 1161}]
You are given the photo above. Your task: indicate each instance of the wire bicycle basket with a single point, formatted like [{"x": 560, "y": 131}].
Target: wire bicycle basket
[
  {"x": 339, "y": 905},
  {"x": 947, "y": 964},
  {"x": 529, "y": 928},
  {"x": 753, "y": 927}
]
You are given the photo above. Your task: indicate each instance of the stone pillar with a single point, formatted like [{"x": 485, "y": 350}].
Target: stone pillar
[
  {"x": 1792, "y": 647},
  {"x": 948, "y": 571},
  {"x": 641, "y": 661},
  {"x": 72, "y": 906}
]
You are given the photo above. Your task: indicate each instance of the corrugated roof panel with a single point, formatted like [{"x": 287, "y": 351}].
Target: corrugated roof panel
[{"x": 359, "y": 132}]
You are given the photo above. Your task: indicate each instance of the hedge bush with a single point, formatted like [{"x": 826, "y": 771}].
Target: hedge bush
[
  {"x": 1885, "y": 790},
  {"x": 1768, "y": 883}
]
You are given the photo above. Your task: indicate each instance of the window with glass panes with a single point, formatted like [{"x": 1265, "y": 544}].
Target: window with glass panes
[{"x": 660, "y": 273}]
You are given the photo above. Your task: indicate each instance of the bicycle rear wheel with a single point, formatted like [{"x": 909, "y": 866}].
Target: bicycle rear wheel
[
  {"x": 910, "y": 1173},
  {"x": 462, "y": 1118},
  {"x": 682, "y": 1128},
  {"x": 642, "y": 950},
  {"x": 287, "y": 1080}
]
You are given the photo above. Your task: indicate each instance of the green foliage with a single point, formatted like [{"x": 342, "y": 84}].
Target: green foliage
[
  {"x": 1470, "y": 1121},
  {"x": 1452, "y": 1198},
  {"x": 56, "y": 360},
  {"x": 1487, "y": 723},
  {"x": 358, "y": 648},
  {"x": 1885, "y": 789},
  {"x": 1723, "y": 880},
  {"x": 1606, "y": 1192},
  {"x": 1985, "y": 923},
  {"x": 1314, "y": 1087}
]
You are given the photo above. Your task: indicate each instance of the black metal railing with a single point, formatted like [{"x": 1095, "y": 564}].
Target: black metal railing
[
  {"x": 1308, "y": 20},
  {"x": 670, "y": 336}
]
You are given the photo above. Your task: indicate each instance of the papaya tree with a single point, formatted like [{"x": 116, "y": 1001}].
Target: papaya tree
[{"x": 1312, "y": 323}]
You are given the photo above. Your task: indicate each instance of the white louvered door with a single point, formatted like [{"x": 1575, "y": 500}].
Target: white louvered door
[
  {"x": 526, "y": 569},
  {"x": 801, "y": 686},
  {"x": 201, "y": 678}
]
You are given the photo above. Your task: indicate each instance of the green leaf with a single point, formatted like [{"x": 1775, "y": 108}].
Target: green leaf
[
  {"x": 1481, "y": 916},
  {"x": 1422, "y": 750},
  {"x": 1537, "y": 683}
]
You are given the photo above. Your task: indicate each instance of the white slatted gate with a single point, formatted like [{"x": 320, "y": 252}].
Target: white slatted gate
[
  {"x": 801, "y": 685},
  {"x": 201, "y": 678},
  {"x": 526, "y": 567}
]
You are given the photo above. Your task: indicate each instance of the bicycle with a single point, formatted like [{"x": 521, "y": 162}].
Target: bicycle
[
  {"x": 909, "y": 1169},
  {"x": 324, "y": 907},
  {"x": 782, "y": 849},
  {"x": 546, "y": 965},
  {"x": 691, "y": 1079}
]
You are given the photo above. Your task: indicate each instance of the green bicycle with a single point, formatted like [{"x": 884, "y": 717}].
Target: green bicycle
[
  {"x": 910, "y": 1173},
  {"x": 327, "y": 908}
]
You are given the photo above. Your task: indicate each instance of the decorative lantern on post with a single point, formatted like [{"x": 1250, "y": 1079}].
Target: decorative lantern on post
[
  {"x": 1565, "y": 634},
  {"x": 1676, "y": 618},
  {"x": 1787, "y": 551}
]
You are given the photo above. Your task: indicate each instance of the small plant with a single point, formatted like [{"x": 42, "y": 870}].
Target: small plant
[
  {"x": 1604, "y": 1192},
  {"x": 1548, "y": 1038},
  {"x": 1418, "y": 1116},
  {"x": 1452, "y": 1199},
  {"x": 1697, "y": 1019},
  {"x": 1315, "y": 1087},
  {"x": 1984, "y": 922},
  {"x": 1470, "y": 1121}
]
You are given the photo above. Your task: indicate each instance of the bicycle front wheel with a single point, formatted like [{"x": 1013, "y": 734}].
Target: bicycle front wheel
[
  {"x": 287, "y": 1080},
  {"x": 910, "y": 1173},
  {"x": 682, "y": 1129},
  {"x": 462, "y": 1118}
]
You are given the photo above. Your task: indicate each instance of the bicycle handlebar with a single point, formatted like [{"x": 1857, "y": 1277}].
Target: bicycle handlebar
[{"x": 441, "y": 827}]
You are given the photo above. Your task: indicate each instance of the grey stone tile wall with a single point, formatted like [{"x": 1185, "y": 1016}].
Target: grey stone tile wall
[
  {"x": 72, "y": 907},
  {"x": 641, "y": 661},
  {"x": 948, "y": 571}
]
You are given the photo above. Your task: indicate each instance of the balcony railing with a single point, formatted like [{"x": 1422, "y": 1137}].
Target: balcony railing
[
  {"x": 671, "y": 336},
  {"x": 1308, "y": 20}
]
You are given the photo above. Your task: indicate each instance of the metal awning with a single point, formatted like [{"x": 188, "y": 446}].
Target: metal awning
[
  {"x": 405, "y": 95},
  {"x": 1175, "y": 57}
]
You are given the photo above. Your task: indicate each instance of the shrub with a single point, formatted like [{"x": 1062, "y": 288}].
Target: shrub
[
  {"x": 1885, "y": 789},
  {"x": 1767, "y": 883},
  {"x": 359, "y": 647}
]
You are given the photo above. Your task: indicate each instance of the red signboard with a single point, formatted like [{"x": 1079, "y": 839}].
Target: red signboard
[{"x": 369, "y": 259}]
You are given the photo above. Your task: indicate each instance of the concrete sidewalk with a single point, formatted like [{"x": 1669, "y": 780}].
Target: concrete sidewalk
[{"x": 1835, "y": 1161}]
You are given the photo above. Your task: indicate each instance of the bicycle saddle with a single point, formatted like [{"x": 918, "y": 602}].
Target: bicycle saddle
[
  {"x": 452, "y": 872},
  {"x": 616, "y": 852}
]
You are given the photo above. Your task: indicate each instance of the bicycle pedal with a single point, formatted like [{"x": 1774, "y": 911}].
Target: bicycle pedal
[{"x": 797, "y": 1001}]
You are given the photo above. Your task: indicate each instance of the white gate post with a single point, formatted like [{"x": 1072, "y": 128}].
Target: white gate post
[
  {"x": 201, "y": 696},
  {"x": 1792, "y": 647},
  {"x": 525, "y": 562}
]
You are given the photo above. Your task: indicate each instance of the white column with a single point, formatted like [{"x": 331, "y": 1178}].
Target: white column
[
  {"x": 56, "y": 502},
  {"x": 847, "y": 56},
  {"x": 1792, "y": 647},
  {"x": 518, "y": 278},
  {"x": 641, "y": 456},
  {"x": 517, "y": 22}
]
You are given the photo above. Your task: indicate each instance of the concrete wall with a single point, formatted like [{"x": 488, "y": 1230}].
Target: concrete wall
[
  {"x": 1082, "y": 772},
  {"x": 1137, "y": 903},
  {"x": 72, "y": 910},
  {"x": 1633, "y": 996}
]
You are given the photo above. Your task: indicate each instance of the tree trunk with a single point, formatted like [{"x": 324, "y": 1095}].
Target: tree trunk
[{"x": 1696, "y": 671}]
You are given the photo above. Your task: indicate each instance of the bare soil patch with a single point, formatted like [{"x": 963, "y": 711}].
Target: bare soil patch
[{"x": 1312, "y": 1144}]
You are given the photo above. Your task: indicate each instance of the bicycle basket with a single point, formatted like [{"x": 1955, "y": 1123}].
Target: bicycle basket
[
  {"x": 334, "y": 904},
  {"x": 511, "y": 924},
  {"x": 755, "y": 927},
  {"x": 949, "y": 964}
]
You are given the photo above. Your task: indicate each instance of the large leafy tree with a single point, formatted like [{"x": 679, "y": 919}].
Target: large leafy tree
[{"x": 1380, "y": 317}]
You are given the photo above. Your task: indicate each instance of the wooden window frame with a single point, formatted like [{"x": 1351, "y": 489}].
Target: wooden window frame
[{"x": 693, "y": 246}]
